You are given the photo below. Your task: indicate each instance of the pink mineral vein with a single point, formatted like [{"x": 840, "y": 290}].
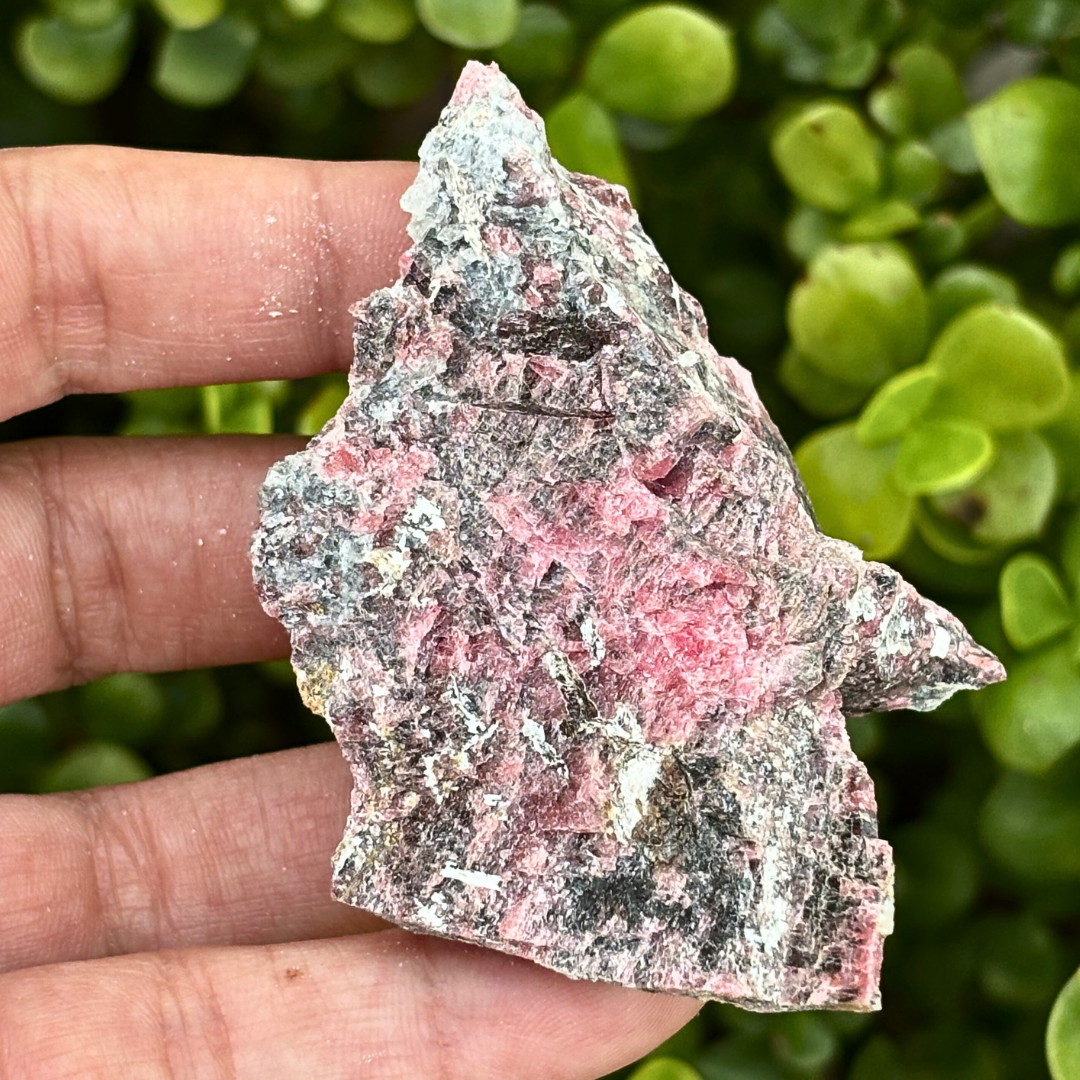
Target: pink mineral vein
[{"x": 553, "y": 579}]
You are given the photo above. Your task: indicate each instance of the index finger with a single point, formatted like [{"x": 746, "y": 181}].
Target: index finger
[{"x": 126, "y": 269}]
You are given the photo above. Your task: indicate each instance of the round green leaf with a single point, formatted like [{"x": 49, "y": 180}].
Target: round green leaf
[
  {"x": 382, "y": 22},
  {"x": 936, "y": 874},
  {"x": 190, "y": 14},
  {"x": 804, "y": 1042},
  {"x": 1027, "y": 137},
  {"x": 1065, "y": 276},
  {"x": 826, "y": 20},
  {"x": 470, "y": 24},
  {"x": 941, "y": 455},
  {"x": 816, "y": 392},
  {"x": 940, "y": 238},
  {"x": 853, "y": 492},
  {"x": 809, "y": 230},
  {"x": 915, "y": 174},
  {"x": 1063, "y": 434},
  {"x": 74, "y": 65},
  {"x": 1063, "y": 1033},
  {"x": 306, "y": 55},
  {"x": 1020, "y": 961},
  {"x": 392, "y": 76},
  {"x": 1034, "y": 606},
  {"x": 1012, "y": 500},
  {"x": 1032, "y": 720},
  {"x": 1000, "y": 367},
  {"x": 94, "y": 765},
  {"x": 583, "y": 137},
  {"x": 126, "y": 708},
  {"x": 893, "y": 109},
  {"x": 932, "y": 85},
  {"x": 542, "y": 46},
  {"x": 1032, "y": 826},
  {"x": 665, "y": 1068},
  {"x": 89, "y": 14},
  {"x": 202, "y": 68},
  {"x": 1070, "y": 550},
  {"x": 948, "y": 537},
  {"x": 881, "y": 220},
  {"x": 964, "y": 285},
  {"x": 896, "y": 406},
  {"x": 305, "y": 9},
  {"x": 666, "y": 62},
  {"x": 827, "y": 156},
  {"x": 860, "y": 313}
]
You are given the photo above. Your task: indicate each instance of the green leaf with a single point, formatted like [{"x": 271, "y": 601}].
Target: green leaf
[
  {"x": 470, "y": 24},
  {"x": 89, "y": 14},
  {"x": 893, "y": 109},
  {"x": 1063, "y": 1033},
  {"x": 1063, "y": 434},
  {"x": 1000, "y": 367},
  {"x": 94, "y": 765},
  {"x": 1032, "y": 720},
  {"x": 305, "y": 9},
  {"x": 322, "y": 407},
  {"x": 804, "y": 1042},
  {"x": 1031, "y": 825},
  {"x": 1034, "y": 606},
  {"x": 665, "y": 1068},
  {"x": 127, "y": 708},
  {"x": 852, "y": 64},
  {"x": 948, "y": 537},
  {"x": 853, "y": 492},
  {"x": 1070, "y": 550},
  {"x": 954, "y": 146},
  {"x": 583, "y": 137},
  {"x": 1041, "y": 22},
  {"x": 826, "y": 20},
  {"x": 306, "y": 54},
  {"x": 964, "y": 285},
  {"x": 382, "y": 22},
  {"x": 827, "y": 156},
  {"x": 1065, "y": 276},
  {"x": 26, "y": 741},
  {"x": 915, "y": 174},
  {"x": 936, "y": 874},
  {"x": 542, "y": 47},
  {"x": 881, "y": 221},
  {"x": 1019, "y": 962},
  {"x": 932, "y": 85},
  {"x": 190, "y": 14},
  {"x": 1027, "y": 137},
  {"x": 666, "y": 62},
  {"x": 203, "y": 68},
  {"x": 74, "y": 65},
  {"x": 860, "y": 314},
  {"x": 816, "y": 392},
  {"x": 1012, "y": 500},
  {"x": 940, "y": 239},
  {"x": 896, "y": 405},
  {"x": 809, "y": 230},
  {"x": 392, "y": 76},
  {"x": 941, "y": 455}
]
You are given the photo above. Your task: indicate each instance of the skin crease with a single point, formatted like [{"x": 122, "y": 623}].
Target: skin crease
[{"x": 182, "y": 927}]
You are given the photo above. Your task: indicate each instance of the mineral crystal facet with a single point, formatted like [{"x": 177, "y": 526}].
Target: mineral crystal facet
[{"x": 554, "y": 581}]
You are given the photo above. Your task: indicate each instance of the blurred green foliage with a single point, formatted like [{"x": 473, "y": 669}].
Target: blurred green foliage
[{"x": 878, "y": 204}]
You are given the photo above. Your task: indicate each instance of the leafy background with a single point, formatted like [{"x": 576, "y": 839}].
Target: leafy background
[{"x": 878, "y": 203}]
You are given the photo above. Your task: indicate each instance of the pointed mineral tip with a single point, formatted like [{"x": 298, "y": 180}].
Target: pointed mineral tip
[{"x": 554, "y": 581}]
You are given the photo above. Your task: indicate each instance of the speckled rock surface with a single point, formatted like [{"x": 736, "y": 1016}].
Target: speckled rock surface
[{"x": 552, "y": 577}]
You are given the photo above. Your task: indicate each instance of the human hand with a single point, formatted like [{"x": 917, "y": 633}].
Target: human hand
[{"x": 182, "y": 927}]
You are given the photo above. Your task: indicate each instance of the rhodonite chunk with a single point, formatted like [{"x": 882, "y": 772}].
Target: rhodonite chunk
[{"x": 553, "y": 579}]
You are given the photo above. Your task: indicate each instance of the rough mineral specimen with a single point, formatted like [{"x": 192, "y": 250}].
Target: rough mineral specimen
[{"x": 554, "y": 581}]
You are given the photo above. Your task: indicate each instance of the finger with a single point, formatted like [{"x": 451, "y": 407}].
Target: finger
[
  {"x": 231, "y": 854},
  {"x": 125, "y": 268},
  {"x": 380, "y": 1006},
  {"x": 129, "y": 555}
]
